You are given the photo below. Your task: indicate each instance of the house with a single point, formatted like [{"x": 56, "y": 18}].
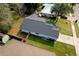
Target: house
[
  {"x": 46, "y": 11},
  {"x": 4, "y": 38},
  {"x": 39, "y": 28}
]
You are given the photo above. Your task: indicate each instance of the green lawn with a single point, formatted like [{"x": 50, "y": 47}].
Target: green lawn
[
  {"x": 64, "y": 26},
  {"x": 77, "y": 29},
  {"x": 61, "y": 49}
]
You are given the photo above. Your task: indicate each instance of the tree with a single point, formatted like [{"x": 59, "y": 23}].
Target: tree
[
  {"x": 62, "y": 9},
  {"x": 29, "y": 8},
  {"x": 5, "y": 18},
  {"x": 73, "y": 4},
  {"x": 19, "y": 6},
  {"x": 4, "y": 28},
  {"x": 24, "y": 8},
  {"x": 5, "y": 13},
  {"x": 16, "y": 7}
]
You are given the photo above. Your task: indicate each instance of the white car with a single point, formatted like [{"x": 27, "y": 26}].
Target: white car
[{"x": 4, "y": 38}]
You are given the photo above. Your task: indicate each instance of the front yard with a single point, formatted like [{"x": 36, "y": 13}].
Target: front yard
[
  {"x": 61, "y": 49},
  {"x": 76, "y": 29},
  {"x": 64, "y": 26}
]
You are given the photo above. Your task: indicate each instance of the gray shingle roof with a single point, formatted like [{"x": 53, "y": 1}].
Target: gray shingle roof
[{"x": 40, "y": 27}]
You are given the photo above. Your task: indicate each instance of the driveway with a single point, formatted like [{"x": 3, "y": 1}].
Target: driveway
[{"x": 17, "y": 48}]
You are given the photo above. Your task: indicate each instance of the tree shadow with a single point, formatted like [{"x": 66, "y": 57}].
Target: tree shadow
[
  {"x": 41, "y": 40},
  {"x": 52, "y": 20}
]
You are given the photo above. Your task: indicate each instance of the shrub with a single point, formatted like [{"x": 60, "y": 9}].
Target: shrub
[
  {"x": 15, "y": 17},
  {"x": 4, "y": 28}
]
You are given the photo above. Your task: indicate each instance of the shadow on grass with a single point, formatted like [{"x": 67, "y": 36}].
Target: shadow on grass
[
  {"x": 42, "y": 40},
  {"x": 52, "y": 21}
]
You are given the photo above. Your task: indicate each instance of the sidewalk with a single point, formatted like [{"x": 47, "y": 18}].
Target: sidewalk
[
  {"x": 71, "y": 40},
  {"x": 76, "y": 40},
  {"x": 65, "y": 39}
]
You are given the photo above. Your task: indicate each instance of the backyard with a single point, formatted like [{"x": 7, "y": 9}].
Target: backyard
[
  {"x": 76, "y": 29},
  {"x": 61, "y": 49},
  {"x": 15, "y": 15},
  {"x": 63, "y": 24}
]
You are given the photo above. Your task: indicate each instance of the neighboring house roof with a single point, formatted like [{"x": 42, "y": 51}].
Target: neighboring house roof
[
  {"x": 40, "y": 27},
  {"x": 47, "y": 8}
]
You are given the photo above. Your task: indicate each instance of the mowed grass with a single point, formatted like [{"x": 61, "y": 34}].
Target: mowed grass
[
  {"x": 76, "y": 29},
  {"x": 65, "y": 27},
  {"x": 61, "y": 49}
]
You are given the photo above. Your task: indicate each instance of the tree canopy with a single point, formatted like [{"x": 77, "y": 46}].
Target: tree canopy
[
  {"x": 5, "y": 17},
  {"x": 5, "y": 13},
  {"x": 62, "y": 9}
]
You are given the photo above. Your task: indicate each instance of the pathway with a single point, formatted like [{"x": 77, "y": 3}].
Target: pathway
[
  {"x": 75, "y": 39},
  {"x": 16, "y": 27}
]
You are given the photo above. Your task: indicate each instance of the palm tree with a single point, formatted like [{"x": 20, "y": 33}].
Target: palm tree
[{"x": 62, "y": 9}]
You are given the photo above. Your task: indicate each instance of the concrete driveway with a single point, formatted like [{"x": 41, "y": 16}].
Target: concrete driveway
[{"x": 17, "y": 48}]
